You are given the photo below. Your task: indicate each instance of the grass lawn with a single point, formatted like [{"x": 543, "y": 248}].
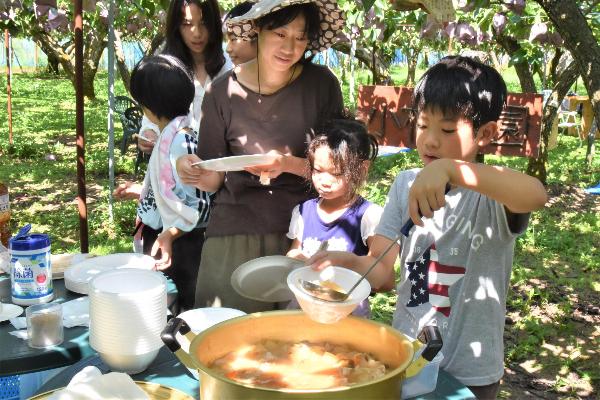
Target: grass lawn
[{"x": 552, "y": 334}]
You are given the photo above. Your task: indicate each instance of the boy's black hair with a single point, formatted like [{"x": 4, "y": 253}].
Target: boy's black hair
[
  {"x": 350, "y": 144},
  {"x": 211, "y": 17},
  {"x": 461, "y": 86},
  {"x": 238, "y": 10},
  {"x": 164, "y": 85},
  {"x": 286, "y": 15}
]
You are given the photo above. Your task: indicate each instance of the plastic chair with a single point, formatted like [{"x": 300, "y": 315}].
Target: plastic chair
[
  {"x": 132, "y": 122},
  {"x": 134, "y": 117},
  {"x": 9, "y": 387},
  {"x": 570, "y": 119},
  {"x": 130, "y": 114},
  {"x": 122, "y": 103}
]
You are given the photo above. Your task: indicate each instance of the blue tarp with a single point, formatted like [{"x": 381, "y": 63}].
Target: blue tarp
[{"x": 593, "y": 189}]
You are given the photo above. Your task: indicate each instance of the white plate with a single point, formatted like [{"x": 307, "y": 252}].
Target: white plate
[
  {"x": 265, "y": 278},
  {"x": 10, "y": 311},
  {"x": 200, "y": 319},
  {"x": 78, "y": 276},
  {"x": 236, "y": 163}
]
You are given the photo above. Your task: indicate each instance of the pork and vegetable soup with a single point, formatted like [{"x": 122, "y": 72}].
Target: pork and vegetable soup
[{"x": 291, "y": 365}]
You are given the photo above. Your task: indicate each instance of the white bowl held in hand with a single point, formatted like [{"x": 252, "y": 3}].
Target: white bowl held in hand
[{"x": 328, "y": 312}]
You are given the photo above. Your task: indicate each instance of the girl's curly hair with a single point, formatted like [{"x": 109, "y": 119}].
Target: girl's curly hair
[{"x": 350, "y": 144}]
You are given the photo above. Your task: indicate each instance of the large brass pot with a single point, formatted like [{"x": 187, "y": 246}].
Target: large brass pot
[{"x": 385, "y": 343}]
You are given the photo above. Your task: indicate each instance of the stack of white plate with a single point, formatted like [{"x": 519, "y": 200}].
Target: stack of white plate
[
  {"x": 79, "y": 275},
  {"x": 128, "y": 311}
]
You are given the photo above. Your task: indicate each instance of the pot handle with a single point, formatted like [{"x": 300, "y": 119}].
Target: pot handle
[
  {"x": 174, "y": 326},
  {"x": 432, "y": 339}
]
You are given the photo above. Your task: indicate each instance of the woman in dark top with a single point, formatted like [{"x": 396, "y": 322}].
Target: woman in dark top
[{"x": 267, "y": 105}]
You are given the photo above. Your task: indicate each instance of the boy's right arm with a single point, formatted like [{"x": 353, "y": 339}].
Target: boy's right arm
[
  {"x": 518, "y": 192},
  {"x": 381, "y": 278}
]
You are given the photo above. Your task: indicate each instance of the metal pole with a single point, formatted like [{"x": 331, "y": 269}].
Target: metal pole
[
  {"x": 8, "y": 86},
  {"x": 111, "y": 106},
  {"x": 35, "y": 56},
  {"x": 81, "y": 194}
]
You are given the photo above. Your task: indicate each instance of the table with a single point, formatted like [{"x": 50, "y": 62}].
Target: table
[
  {"x": 168, "y": 371},
  {"x": 16, "y": 357}
]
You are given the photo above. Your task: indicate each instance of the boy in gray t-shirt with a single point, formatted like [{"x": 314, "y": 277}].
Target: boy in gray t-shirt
[{"x": 456, "y": 262}]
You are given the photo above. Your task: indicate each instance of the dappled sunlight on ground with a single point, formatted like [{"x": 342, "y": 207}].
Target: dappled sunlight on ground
[{"x": 552, "y": 335}]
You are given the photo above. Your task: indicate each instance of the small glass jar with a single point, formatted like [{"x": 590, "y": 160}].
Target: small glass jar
[{"x": 44, "y": 325}]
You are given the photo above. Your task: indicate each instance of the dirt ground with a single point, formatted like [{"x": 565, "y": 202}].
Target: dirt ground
[{"x": 541, "y": 378}]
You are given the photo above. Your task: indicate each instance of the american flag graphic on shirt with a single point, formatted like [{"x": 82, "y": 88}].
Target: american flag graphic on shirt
[{"x": 431, "y": 280}]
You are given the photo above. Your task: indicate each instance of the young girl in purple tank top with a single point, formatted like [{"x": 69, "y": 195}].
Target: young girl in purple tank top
[{"x": 339, "y": 158}]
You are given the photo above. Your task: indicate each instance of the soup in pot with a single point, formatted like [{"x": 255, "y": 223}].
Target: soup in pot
[{"x": 303, "y": 366}]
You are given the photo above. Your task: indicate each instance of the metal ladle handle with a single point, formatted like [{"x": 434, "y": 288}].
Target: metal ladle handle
[{"x": 373, "y": 266}]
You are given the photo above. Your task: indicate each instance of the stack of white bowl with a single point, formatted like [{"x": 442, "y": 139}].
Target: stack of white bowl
[{"x": 128, "y": 311}]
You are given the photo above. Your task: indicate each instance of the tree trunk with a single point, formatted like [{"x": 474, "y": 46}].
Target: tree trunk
[
  {"x": 56, "y": 51},
  {"x": 51, "y": 52},
  {"x": 580, "y": 41},
  {"x": 537, "y": 166},
  {"x": 365, "y": 56},
  {"x": 373, "y": 65},
  {"x": 157, "y": 41},
  {"x": 412, "y": 57},
  {"x": 495, "y": 60},
  {"x": 94, "y": 46},
  {"x": 52, "y": 67},
  {"x": 95, "y": 42},
  {"x": 553, "y": 74},
  {"x": 523, "y": 68},
  {"x": 120, "y": 57}
]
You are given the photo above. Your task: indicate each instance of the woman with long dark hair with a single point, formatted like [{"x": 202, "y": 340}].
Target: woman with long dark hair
[{"x": 194, "y": 35}]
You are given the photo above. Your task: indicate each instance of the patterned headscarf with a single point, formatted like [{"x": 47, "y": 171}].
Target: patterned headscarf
[{"x": 332, "y": 21}]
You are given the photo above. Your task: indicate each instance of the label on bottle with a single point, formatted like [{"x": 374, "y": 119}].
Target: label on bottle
[
  {"x": 31, "y": 276},
  {"x": 4, "y": 203}
]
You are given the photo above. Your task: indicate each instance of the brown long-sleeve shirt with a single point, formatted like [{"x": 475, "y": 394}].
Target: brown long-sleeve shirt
[{"x": 237, "y": 121}]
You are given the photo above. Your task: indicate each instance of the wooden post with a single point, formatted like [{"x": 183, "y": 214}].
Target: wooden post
[
  {"x": 81, "y": 194},
  {"x": 8, "y": 86}
]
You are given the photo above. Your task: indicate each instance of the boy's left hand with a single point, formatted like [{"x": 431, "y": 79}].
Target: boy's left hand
[{"x": 427, "y": 193}]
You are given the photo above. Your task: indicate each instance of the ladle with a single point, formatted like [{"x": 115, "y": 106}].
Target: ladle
[{"x": 322, "y": 292}]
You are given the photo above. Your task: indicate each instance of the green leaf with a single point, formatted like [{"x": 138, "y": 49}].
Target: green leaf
[{"x": 367, "y": 4}]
